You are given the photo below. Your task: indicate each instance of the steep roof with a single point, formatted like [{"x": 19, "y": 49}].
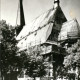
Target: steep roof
[
  {"x": 37, "y": 23},
  {"x": 70, "y": 29},
  {"x": 39, "y": 30}
]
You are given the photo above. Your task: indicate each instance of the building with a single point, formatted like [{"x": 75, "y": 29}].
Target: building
[
  {"x": 49, "y": 32},
  {"x": 49, "y": 23}
]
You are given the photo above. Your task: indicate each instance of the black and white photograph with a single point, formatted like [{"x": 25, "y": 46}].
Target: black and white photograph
[{"x": 39, "y": 39}]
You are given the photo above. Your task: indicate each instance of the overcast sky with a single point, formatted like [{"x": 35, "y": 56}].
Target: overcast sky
[{"x": 33, "y": 8}]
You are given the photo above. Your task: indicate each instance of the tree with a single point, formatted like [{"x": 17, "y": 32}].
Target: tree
[
  {"x": 33, "y": 63},
  {"x": 72, "y": 60},
  {"x": 9, "y": 59},
  {"x": 73, "y": 54}
]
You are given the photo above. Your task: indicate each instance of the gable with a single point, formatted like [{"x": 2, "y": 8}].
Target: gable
[{"x": 59, "y": 19}]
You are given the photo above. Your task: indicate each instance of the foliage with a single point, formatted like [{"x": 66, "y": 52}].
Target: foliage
[
  {"x": 13, "y": 60},
  {"x": 74, "y": 55},
  {"x": 9, "y": 60},
  {"x": 72, "y": 60},
  {"x": 34, "y": 63}
]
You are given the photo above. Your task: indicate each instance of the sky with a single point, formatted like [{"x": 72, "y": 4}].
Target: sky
[{"x": 33, "y": 8}]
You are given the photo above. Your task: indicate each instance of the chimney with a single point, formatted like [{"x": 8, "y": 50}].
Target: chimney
[{"x": 56, "y": 3}]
